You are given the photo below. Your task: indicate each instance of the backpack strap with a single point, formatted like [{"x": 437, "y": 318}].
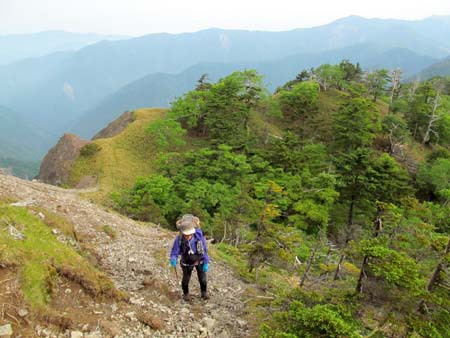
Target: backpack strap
[{"x": 200, "y": 248}]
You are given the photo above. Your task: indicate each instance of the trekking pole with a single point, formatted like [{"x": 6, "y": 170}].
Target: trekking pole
[{"x": 176, "y": 273}]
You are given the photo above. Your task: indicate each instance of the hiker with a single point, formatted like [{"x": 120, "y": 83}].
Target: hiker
[{"x": 191, "y": 245}]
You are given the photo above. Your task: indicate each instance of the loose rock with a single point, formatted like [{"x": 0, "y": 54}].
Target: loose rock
[
  {"x": 209, "y": 323},
  {"x": 6, "y": 330},
  {"x": 23, "y": 313},
  {"x": 111, "y": 328},
  {"x": 152, "y": 321},
  {"x": 76, "y": 334}
]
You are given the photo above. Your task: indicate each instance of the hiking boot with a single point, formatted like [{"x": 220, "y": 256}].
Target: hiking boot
[
  {"x": 187, "y": 297},
  {"x": 205, "y": 295}
]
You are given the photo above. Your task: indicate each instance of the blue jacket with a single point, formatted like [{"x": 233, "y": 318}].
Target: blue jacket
[{"x": 198, "y": 236}]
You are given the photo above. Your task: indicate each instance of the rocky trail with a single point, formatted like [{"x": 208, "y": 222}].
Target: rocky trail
[{"x": 137, "y": 261}]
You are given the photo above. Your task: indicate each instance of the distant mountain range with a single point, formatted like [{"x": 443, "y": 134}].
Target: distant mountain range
[
  {"x": 441, "y": 68},
  {"x": 20, "y": 139},
  {"x": 14, "y": 47},
  {"x": 84, "y": 89}
]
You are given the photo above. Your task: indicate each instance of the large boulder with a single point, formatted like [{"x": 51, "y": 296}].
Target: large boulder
[
  {"x": 56, "y": 166},
  {"x": 116, "y": 126}
]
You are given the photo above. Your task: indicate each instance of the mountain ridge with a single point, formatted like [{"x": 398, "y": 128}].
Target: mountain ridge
[
  {"x": 160, "y": 89},
  {"x": 14, "y": 47}
]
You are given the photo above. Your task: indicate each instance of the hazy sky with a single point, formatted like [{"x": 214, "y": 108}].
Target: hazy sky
[{"x": 138, "y": 17}]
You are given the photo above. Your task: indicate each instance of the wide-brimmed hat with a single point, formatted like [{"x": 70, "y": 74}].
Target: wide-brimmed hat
[{"x": 187, "y": 224}]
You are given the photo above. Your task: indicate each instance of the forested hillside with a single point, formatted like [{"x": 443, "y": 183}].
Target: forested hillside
[
  {"x": 54, "y": 91},
  {"x": 161, "y": 89},
  {"x": 441, "y": 68},
  {"x": 331, "y": 194}
]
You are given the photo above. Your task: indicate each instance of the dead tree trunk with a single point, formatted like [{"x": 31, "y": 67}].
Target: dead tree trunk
[
  {"x": 338, "y": 267},
  {"x": 396, "y": 75},
  {"x": 310, "y": 261},
  {"x": 434, "y": 117},
  {"x": 440, "y": 266},
  {"x": 224, "y": 232},
  {"x": 362, "y": 274},
  {"x": 435, "y": 277},
  {"x": 347, "y": 236}
]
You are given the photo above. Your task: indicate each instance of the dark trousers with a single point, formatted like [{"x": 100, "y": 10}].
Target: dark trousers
[{"x": 187, "y": 272}]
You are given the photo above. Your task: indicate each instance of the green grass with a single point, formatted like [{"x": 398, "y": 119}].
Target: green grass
[
  {"x": 233, "y": 257},
  {"x": 120, "y": 159},
  {"x": 40, "y": 258},
  {"x": 110, "y": 231},
  {"x": 55, "y": 221}
]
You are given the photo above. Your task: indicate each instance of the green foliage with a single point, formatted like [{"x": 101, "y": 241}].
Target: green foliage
[
  {"x": 427, "y": 113},
  {"x": 167, "y": 132},
  {"x": 376, "y": 83},
  {"x": 395, "y": 267},
  {"x": 90, "y": 149},
  {"x": 435, "y": 176},
  {"x": 148, "y": 200},
  {"x": 312, "y": 322},
  {"x": 388, "y": 182},
  {"x": 438, "y": 152},
  {"x": 109, "y": 231},
  {"x": 396, "y": 129},
  {"x": 304, "y": 75},
  {"x": 311, "y": 199},
  {"x": 233, "y": 257},
  {"x": 221, "y": 111},
  {"x": 330, "y": 75},
  {"x": 436, "y": 328},
  {"x": 300, "y": 102},
  {"x": 350, "y": 72},
  {"x": 291, "y": 154},
  {"x": 439, "y": 216},
  {"x": 355, "y": 124}
]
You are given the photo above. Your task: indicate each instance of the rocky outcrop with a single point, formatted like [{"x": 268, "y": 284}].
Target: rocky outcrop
[
  {"x": 116, "y": 126},
  {"x": 56, "y": 166}
]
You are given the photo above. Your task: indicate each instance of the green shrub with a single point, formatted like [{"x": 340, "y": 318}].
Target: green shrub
[
  {"x": 90, "y": 149},
  {"x": 110, "y": 231},
  {"x": 299, "y": 321}
]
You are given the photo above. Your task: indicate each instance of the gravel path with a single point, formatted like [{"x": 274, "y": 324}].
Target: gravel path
[{"x": 137, "y": 261}]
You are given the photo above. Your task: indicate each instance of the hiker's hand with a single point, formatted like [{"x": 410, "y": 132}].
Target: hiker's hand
[
  {"x": 173, "y": 262},
  {"x": 205, "y": 267}
]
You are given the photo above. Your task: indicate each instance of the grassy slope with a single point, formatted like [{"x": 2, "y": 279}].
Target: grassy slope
[
  {"x": 122, "y": 158},
  {"x": 40, "y": 257}
]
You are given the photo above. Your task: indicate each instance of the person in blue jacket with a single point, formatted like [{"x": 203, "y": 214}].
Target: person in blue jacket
[{"x": 190, "y": 244}]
